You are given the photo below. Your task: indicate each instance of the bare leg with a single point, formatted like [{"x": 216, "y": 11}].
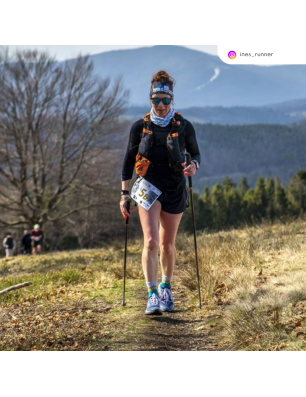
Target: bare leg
[
  {"x": 169, "y": 224},
  {"x": 149, "y": 222}
]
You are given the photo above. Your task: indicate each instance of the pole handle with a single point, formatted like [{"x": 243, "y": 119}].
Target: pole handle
[
  {"x": 127, "y": 206},
  {"x": 188, "y": 158},
  {"x": 188, "y": 162}
]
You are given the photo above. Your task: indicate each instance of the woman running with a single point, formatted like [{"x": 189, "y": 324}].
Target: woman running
[{"x": 156, "y": 144}]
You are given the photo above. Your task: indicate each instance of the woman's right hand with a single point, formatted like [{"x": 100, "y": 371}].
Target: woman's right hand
[{"x": 123, "y": 205}]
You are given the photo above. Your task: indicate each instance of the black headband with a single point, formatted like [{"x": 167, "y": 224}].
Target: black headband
[{"x": 161, "y": 88}]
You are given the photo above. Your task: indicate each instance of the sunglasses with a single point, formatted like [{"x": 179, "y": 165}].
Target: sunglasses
[{"x": 165, "y": 101}]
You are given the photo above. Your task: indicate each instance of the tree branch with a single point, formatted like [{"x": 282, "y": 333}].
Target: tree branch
[{"x": 14, "y": 287}]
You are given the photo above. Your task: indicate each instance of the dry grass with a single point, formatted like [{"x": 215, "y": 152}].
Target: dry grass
[
  {"x": 75, "y": 303},
  {"x": 253, "y": 283},
  {"x": 72, "y": 304},
  {"x": 258, "y": 276}
]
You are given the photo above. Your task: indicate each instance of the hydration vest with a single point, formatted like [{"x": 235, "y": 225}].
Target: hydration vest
[{"x": 175, "y": 142}]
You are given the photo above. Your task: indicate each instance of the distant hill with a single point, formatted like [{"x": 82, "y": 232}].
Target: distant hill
[
  {"x": 281, "y": 113},
  {"x": 202, "y": 79},
  {"x": 251, "y": 150}
]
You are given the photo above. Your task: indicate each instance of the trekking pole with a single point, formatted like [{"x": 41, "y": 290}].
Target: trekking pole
[
  {"x": 128, "y": 203},
  {"x": 188, "y": 162}
]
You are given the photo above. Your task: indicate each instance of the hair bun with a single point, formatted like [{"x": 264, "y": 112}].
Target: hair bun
[{"x": 163, "y": 77}]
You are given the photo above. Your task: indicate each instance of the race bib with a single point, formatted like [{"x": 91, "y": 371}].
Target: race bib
[{"x": 144, "y": 193}]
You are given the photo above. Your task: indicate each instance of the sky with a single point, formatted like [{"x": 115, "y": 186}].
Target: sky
[{"x": 63, "y": 52}]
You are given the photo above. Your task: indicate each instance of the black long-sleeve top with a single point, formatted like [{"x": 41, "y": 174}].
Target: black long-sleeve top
[
  {"x": 160, "y": 176},
  {"x": 26, "y": 240}
]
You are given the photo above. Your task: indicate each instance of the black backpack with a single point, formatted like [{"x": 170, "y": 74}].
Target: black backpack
[{"x": 9, "y": 242}]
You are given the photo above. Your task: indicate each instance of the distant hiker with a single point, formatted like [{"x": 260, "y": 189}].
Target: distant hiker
[
  {"x": 9, "y": 243},
  {"x": 26, "y": 242},
  {"x": 37, "y": 237},
  {"x": 157, "y": 144}
]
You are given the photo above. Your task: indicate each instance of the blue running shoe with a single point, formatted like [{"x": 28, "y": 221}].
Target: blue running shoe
[
  {"x": 153, "y": 306},
  {"x": 166, "y": 299}
]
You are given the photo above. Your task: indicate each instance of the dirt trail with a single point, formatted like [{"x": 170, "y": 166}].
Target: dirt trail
[
  {"x": 88, "y": 315},
  {"x": 186, "y": 328},
  {"x": 180, "y": 330}
]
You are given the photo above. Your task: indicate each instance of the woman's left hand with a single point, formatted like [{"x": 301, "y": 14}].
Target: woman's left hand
[{"x": 190, "y": 170}]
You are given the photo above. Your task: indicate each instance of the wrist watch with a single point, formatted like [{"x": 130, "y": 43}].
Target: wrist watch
[
  {"x": 196, "y": 163},
  {"x": 124, "y": 192}
]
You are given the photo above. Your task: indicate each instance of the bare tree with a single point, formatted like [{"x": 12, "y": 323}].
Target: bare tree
[{"x": 54, "y": 119}]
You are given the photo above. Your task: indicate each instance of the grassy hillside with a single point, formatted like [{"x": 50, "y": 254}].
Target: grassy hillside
[{"x": 253, "y": 285}]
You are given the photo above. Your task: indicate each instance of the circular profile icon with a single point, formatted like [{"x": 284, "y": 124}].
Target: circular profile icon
[{"x": 232, "y": 54}]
